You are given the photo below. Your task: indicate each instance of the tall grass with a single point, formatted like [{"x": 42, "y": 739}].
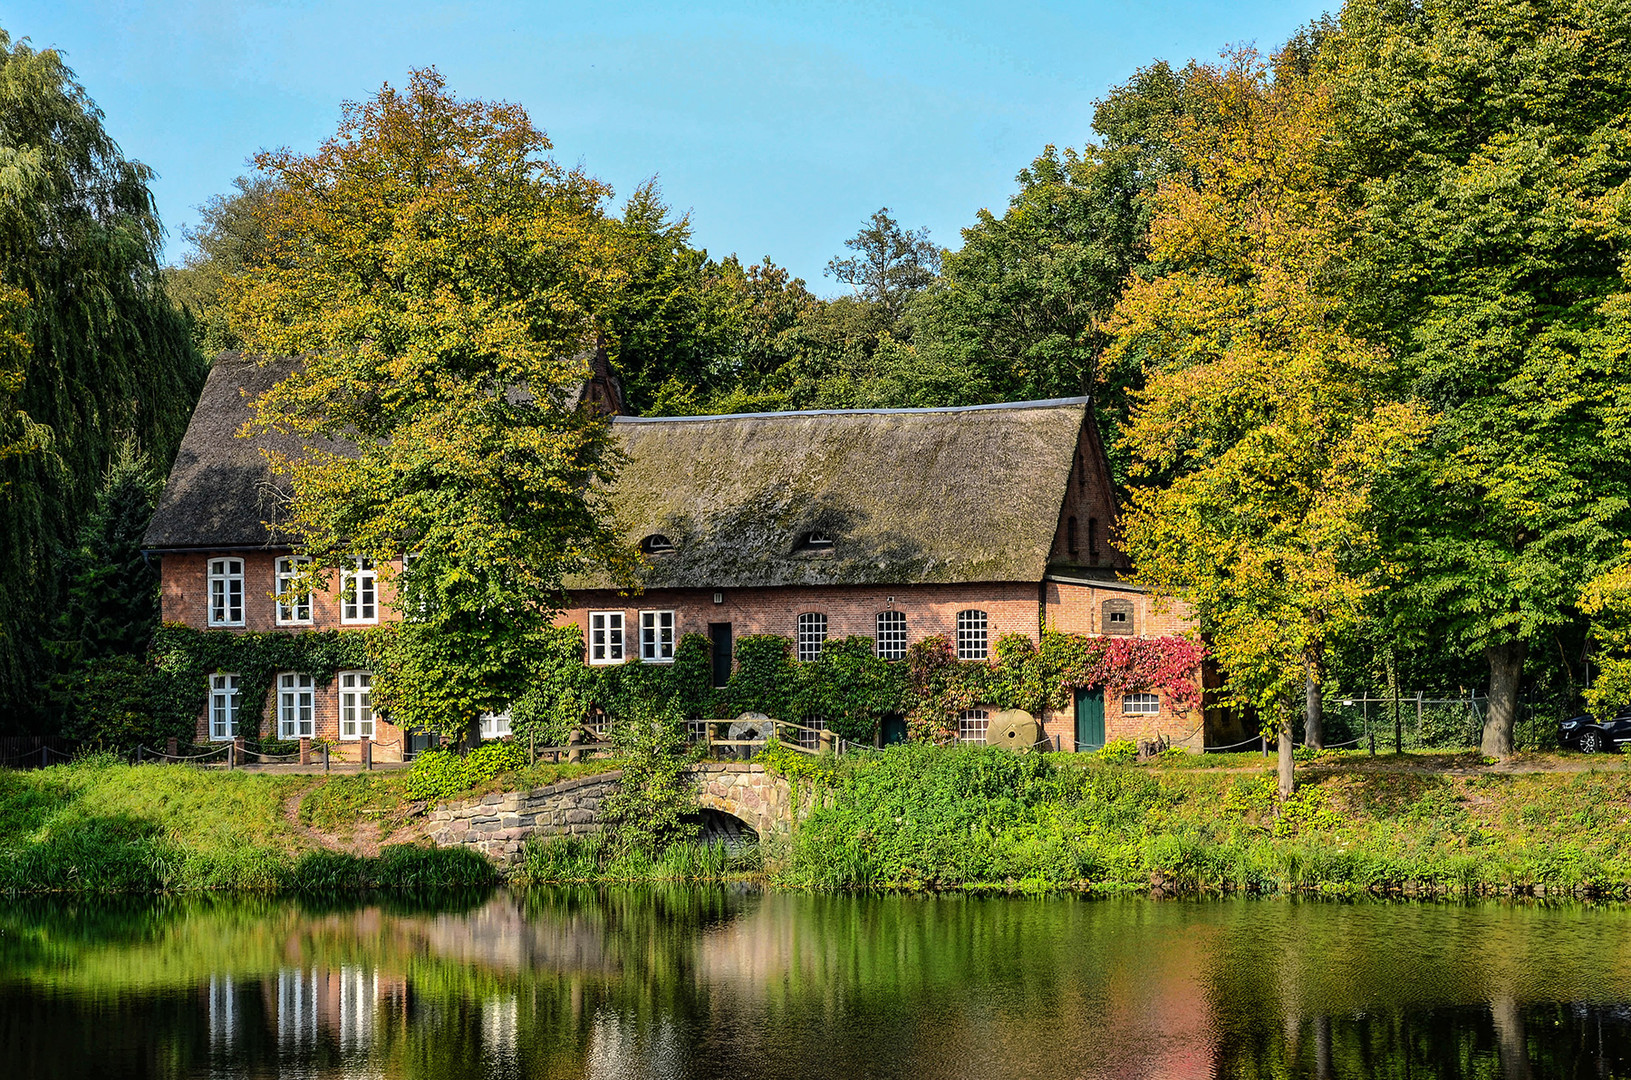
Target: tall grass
[{"x": 917, "y": 817}]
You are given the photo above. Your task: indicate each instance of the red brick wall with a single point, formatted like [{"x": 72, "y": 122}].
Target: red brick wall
[
  {"x": 1011, "y": 607},
  {"x": 1090, "y": 499},
  {"x": 184, "y": 592},
  {"x": 1079, "y": 609},
  {"x": 184, "y": 598},
  {"x": 930, "y": 609}
]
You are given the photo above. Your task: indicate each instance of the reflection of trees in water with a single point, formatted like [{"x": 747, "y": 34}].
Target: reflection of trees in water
[{"x": 666, "y": 981}]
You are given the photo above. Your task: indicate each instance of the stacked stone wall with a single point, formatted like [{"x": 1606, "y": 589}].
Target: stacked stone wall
[{"x": 498, "y": 825}]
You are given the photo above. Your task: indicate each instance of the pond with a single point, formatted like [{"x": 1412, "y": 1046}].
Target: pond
[{"x": 748, "y": 984}]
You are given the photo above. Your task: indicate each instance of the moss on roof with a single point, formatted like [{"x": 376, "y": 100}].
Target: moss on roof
[{"x": 908, "y": 496}]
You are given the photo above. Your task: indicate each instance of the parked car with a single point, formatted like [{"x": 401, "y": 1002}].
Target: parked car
[{"x": 1590, "y": 737}]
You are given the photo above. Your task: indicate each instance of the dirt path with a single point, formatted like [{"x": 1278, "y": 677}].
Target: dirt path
[{"x": 364, "y": 840}]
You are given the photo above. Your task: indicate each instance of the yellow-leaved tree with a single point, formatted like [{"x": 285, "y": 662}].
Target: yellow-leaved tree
[
  {"x": 1262, "y": 420},
  {"x": 438, "y": 275}
]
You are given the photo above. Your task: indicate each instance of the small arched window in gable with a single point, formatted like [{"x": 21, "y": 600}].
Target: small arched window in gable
[
  {"x": 657, "y": 544},
  {"x": 1070, "y": 536}
]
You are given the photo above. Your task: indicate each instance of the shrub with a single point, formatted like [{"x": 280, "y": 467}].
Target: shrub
[
  {"x": 1119, "y": 751},
  {"x": 439, "y": 774}
]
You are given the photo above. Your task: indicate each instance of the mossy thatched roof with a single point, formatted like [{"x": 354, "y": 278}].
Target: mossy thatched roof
[
  {"x": 220, "y": 493},
  {"x": 906, "y": 495}
]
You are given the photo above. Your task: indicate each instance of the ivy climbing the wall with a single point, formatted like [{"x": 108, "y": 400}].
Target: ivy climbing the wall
[
  {"x": 849, "y": 687},
  {"x": 184, "y": 658}
]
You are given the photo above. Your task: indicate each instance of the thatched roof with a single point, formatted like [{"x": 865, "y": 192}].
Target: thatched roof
[
  {"x": 220, "y": 493},
  {"x": 905, "y": 495}
]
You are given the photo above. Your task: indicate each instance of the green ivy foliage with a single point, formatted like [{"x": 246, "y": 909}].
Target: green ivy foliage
[
  {"x": 849, "y": 687},
  {"x": 184, "y": 658},
  {"x": 438, "y": 774}
]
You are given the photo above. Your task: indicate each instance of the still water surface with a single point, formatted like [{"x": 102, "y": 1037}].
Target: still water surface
[{"x": 746, "y": 985}]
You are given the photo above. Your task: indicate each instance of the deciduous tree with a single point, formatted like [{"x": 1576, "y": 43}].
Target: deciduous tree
[
  {"x": 439, "y": 275},
  {"x": 91, "y": 349},
  {"x": 1487, "y": 158},
  {"x": 1262, "y": 421}
]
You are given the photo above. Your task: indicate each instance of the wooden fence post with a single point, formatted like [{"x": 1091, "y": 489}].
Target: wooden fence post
[
  {"x": 574, "y": 738},
  {"x": 368, "y": 754}
]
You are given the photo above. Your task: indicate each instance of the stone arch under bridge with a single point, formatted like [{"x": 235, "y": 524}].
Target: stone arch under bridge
[{"x": 498, "y": 825}]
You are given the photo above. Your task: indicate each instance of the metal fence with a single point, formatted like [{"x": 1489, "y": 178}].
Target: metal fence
[{"x": 1425, "y": 721}]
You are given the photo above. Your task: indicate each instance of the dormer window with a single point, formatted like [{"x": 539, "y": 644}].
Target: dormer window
[
  {"x": 657, "y": 544},
  {"x": 816, "y": 540}
]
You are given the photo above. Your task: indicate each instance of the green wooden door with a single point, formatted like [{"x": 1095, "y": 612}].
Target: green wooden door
[
  {"x": 894, "y": 728},
  {"x": 1089, "y": 720}
]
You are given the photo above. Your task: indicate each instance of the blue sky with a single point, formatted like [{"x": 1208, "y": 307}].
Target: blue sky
[{"x": 779, "y": 126}]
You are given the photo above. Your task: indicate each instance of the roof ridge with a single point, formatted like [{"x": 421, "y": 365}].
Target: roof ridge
[{"x": 1041, "y": 403}]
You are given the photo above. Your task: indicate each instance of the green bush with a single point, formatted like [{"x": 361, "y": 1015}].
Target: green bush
[
  {"x": 1119, "y": 751},
  {"x": 440, "y": 774}
]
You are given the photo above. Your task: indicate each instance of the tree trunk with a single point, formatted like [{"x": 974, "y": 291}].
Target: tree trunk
[
  {"x": 1314, "y": 709},
  {"x": 1284, "y": 764},
  {"x": 1505, "y": 674}
]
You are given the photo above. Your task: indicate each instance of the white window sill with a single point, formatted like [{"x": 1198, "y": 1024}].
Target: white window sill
[
  {"x": 606, "y": 663},
  {"x": 222, "y": 738},
  {"x": 656, "y": 660},
  {"x": 357, "y": 622},
  {"x": 226, "y": 625},
  {"x": 296, "y": 622}
]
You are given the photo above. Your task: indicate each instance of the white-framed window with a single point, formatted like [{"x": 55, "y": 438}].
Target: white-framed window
[
  {"x": 812, "y": 635},
  {"x": 359, "y": 591},
  {"x": 971, "y": 635},
  {"x": 657, "y": 636},
  {"x": 226, "y": 584},
  {"x": 224, "y": 704},
  {"x": 891, "y": 638},
  {"x": 496, "y": 725},
  {"x": 972, "y": 725},
  {"x": 288, "y": 614},
  {"x": 605, "y": 637},
  {"x": 1140, "y": 704},
  {"x": 295, "y": 696},
  {"x": 356, "y": 705}
]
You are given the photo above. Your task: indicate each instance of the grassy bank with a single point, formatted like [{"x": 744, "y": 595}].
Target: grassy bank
[
  {"x": 104, "y": 827},
  {"x": 926, "y": 818},
  {"x": 911, "y": 818}
]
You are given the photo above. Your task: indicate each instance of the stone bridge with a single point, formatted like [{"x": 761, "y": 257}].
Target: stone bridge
[{"x": 498, "y": 825}]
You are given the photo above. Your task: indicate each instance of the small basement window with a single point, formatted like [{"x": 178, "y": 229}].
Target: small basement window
[
  {"x": 972, "y": 725},
  {"x": 657, "y": 544}
]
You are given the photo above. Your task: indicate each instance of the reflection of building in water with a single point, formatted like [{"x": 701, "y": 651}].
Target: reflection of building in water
[
  {"x": 500, "y": 1021},
  {"x": 223, "y": 1013},
  {"x": 296, "y": 1009},
  {"x": 302, "y": 1006},
  {"x": 630, "y": 1048},
  {"x": 356, "y": 998}
]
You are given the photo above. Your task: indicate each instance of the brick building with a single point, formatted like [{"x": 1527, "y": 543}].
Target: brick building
[{"x": 893, "y": 523}]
